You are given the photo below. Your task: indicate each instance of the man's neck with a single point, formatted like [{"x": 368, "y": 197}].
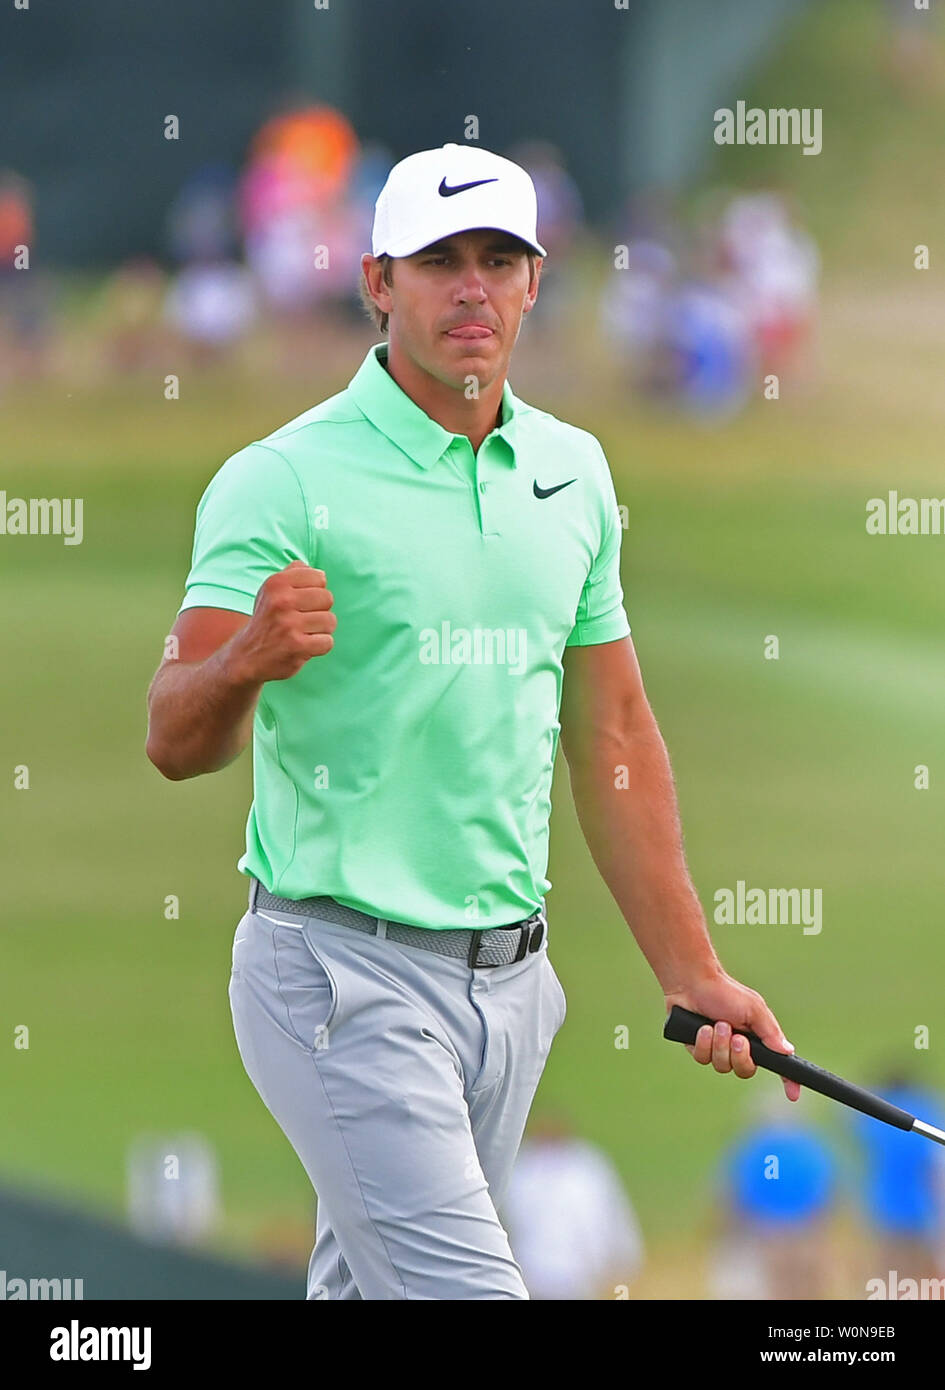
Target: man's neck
[{"x": 475, "y": 418}]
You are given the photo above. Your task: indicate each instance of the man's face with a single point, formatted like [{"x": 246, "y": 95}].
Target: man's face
[{"x": 456, "y": 306}]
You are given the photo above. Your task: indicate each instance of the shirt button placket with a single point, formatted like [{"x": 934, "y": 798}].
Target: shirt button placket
[{"x": 484, "y": 526}]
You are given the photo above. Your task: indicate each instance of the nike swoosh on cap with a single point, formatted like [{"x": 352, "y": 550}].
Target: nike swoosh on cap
[
  {"x": 547, "y": 491},
  {"x": 445, "y": 191}
]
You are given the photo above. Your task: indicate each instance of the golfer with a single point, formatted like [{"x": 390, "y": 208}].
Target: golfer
[{"x": 406, "y": 595}]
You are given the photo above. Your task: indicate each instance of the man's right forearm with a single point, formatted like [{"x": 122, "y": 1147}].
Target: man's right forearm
[{"x": 200, "y": 714}]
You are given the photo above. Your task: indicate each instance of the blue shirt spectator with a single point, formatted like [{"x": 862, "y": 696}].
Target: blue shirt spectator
[
  {"x": 780, "y": 1174},
  {"x": 903, "y": 1188}
]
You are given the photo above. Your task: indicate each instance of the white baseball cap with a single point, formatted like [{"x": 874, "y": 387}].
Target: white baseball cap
[{"x": 436, "y": 193}]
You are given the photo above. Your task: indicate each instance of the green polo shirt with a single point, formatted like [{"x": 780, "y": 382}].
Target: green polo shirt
[{"x": 407, "y": 772}]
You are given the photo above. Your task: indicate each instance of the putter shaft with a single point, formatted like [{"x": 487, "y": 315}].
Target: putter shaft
[{"x": 929, "y": 1131}]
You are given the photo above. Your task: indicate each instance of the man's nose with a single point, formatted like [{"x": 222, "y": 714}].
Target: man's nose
[{"x": 470, "y": 288}]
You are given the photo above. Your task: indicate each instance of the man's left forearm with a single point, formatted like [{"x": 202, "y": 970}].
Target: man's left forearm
[{"x": 626, "y": 803}]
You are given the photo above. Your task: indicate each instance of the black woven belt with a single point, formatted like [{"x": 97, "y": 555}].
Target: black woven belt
[{"x": 491, "y": 946}]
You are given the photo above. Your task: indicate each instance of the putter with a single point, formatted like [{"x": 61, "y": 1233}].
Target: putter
[{"x": 682, "y": 1026}]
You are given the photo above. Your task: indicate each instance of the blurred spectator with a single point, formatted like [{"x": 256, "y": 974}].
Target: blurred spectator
[
  {"x": 201, "y": 221},
  {"x": 635, "y": 314},
  {"x": 709, "y": 349},
  {"x": 16, "y": 217},
  {"x": 903, "y": 1193},
  {"x": 773, "y": 268},
  {"x": 129, "y": 316},
  {"x": 303, "y": 234},
  {"x": 634, "y": 307},
  {"x": 683, "y": 341},
  {"x": 25, "y": 292},
  {"x": 571, "y": 1226},
  {"x": 173, "y": 1188},
  {"x": 211, "y": 304},
  {"x": 778, "y": 1184}
]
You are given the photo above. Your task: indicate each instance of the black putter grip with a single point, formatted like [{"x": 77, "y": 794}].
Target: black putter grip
[{"x": 682, "y": 1026}]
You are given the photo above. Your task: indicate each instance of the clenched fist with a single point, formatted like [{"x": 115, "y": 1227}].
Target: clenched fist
[{"x": 292, "y": 622}]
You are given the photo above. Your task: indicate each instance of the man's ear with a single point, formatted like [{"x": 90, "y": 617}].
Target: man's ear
[
  {"x": 374, "y": 275},
  {"x": 532, "y": 293}
]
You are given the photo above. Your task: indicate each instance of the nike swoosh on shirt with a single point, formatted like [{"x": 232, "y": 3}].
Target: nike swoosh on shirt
[{"x": 547, "y": 491}]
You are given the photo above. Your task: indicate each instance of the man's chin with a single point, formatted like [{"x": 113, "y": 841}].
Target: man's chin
[{"x": 479, "y": 357}]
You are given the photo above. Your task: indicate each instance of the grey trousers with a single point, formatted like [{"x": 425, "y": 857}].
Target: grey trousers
[{"x": 403, "y": 1080}]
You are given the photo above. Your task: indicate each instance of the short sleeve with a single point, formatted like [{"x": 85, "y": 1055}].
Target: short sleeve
[
  {"x": 251, "y": 522},
  {"x": 601, "y": 616}
]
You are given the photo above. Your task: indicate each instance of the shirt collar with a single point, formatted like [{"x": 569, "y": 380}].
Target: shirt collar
[{"x": 397, "y": 416}]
